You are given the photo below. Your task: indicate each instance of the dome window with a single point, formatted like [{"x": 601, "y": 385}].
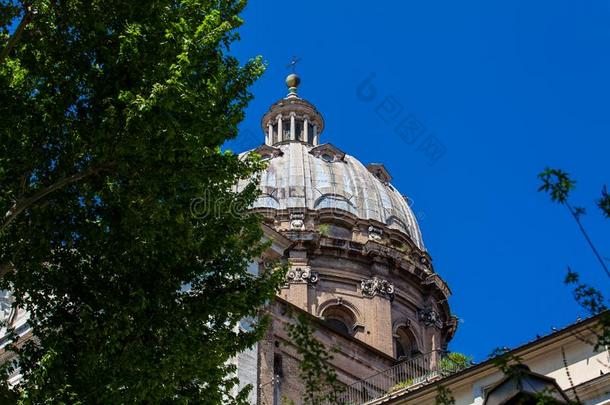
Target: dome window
[
  {"x": 395, "y": 223},
  {"x": 337, "y": 325},
  {"x": 340, "y": 319},
  {"x": 328, "y": 153},
  {"x": 379, "y": 171},
  {"x": 400, "y": 350},
  {"x": 405, "y": 345},
  {"x": 327, "y": 157},
  {"x": 267, "y": 152},
  {"x": 266, "y": 201},
  {"x": 335, "y": 202}
]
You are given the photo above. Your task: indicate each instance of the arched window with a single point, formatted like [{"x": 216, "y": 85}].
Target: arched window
[
  {"x": 285, "y": 130},
  {"x": 298, "y": 131},
  {"x": 275, "y": 135},
  {"x": 340, "y": 319},
  {"x": 338, "y": 325},
  {"x": 405, "y": 345}
]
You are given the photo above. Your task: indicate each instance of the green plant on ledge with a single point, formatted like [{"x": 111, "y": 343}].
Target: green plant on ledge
[
  {"x": 402, "y": 248},
  {"x": 454, "y": 362},
  {"x": 324, "y": 229},
  {"x": 403, "y": 384}
]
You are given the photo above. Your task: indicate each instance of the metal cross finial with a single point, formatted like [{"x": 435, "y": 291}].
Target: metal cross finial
[{"x": 293, "y": 63}]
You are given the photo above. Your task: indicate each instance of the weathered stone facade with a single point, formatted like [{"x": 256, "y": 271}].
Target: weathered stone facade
[
  {"x": 279, "y": 362},
  {"x": 357, "y": 263}
]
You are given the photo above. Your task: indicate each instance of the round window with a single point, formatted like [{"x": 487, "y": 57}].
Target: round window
[{"x": 327, "y": 158}]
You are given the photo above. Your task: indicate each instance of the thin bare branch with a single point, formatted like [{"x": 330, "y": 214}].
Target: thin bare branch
[{"x": 586, "y": 235}]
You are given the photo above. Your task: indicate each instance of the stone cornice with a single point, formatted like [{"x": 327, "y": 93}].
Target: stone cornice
[
  {"x": 313, "y": 218},
  {"x": 436, "y": 281}
]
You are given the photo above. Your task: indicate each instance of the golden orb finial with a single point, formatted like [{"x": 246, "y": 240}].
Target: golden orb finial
[{"x": 293, "y": 81}]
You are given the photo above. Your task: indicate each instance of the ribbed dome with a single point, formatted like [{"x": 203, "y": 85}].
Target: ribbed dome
[{"x": 300, "y": 175}]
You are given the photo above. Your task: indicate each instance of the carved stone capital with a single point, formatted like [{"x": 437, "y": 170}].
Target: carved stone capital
[
  {"x": 297, "y": 221},
  {"x": 375, "y": 233},
  {"x": 430, "y": 317},
  {"x": 377, "y": 286},
  {"x": 302, "y": 275}
]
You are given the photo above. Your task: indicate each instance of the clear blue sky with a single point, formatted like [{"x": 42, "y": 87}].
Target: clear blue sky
[{"x": 507, "y": 88}]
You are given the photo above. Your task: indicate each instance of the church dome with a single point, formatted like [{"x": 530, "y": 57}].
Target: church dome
[
  {"x": 304, "y": 175},
  {"x": 352, "y": 247}
]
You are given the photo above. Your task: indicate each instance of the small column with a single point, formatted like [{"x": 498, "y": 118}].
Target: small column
[
  {"x": 306, "y": 130},
  {"x": 280, "y": 130},
  {"x": 292, "y": 127},
  {"x": 315, "y": 135},
  {"x": 269, "y": 139}
]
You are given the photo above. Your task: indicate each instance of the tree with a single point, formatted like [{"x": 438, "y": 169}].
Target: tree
[
  {"x": 319, "y": 378},
  {"x": 558, "y": 185},
  {"x": 120, "y": 230}
]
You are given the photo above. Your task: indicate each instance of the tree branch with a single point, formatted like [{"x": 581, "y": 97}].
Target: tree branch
[
  {"x": 6, "y": 268},
  {"x": 586, "y": 235},
  {"x": 14, "y": 39},
  {"x": 21, "y": 205}
]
